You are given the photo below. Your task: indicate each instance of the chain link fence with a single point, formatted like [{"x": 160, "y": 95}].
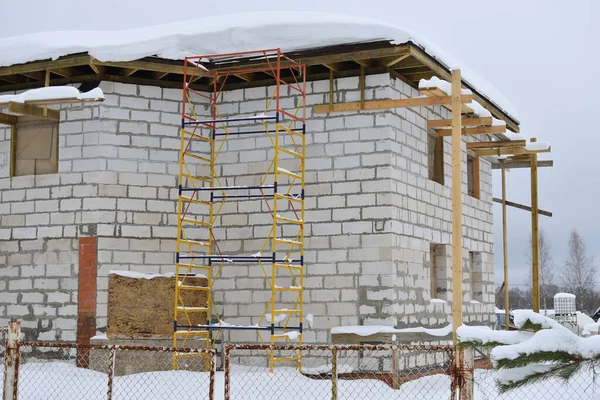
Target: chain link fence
[
  {"x": 339, "y": 372},
  {"x": 47, "y": 370}
]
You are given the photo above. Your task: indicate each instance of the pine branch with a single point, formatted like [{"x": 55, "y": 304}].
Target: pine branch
[
  {"x": 537, "y": 358},
  {"x": 533, "y": 378}
]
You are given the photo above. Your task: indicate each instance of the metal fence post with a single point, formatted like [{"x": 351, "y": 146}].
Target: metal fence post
[
  {"x": 468, "y": 363},
  {"x": 395, "y": 368},
  {"x": 227, "y": 367},
  {"x": 213, "y": 368},
  {"x": 11, "y": 361},
  {"x": 334, "y": 380},
  {"x": 111, "y": 372}
]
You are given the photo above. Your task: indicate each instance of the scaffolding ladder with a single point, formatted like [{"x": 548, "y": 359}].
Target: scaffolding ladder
[{"x": 202, "y": 193}]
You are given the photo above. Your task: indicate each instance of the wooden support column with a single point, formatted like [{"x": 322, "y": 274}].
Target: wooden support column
[
  {"x": 505, "y": 250},
  {"x": 535, "y": 250},
  {"x": 362, "y": 87},
  {"x": 330, "y": 90},
  {"x": 457, "y": 295}
]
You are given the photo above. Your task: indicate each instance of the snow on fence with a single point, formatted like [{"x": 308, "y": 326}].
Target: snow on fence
[
  {"x": 49, "y": 370},
  {"x": 340, "y": 372}
]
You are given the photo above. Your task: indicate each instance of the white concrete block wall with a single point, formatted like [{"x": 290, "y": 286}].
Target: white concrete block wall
[{"x": 371, "y": 211}]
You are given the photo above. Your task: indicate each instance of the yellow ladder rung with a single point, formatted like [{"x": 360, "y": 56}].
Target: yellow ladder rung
[
  {"x": 289, "y": 242},
  {"x": 288, "y": 266},
  {"x": 192, "y": 309},
  {"x": 289, "y": 220},
  {"x": 291, "y": 131},
  {"x": 194, "y": 266},
  {"x": 287, "y": 289},
  {"x": 190, "y": 200},
  {"x": 197, "y": 178},
  {"x": 289, "y": 198},
  {"x": 288, "y": 173},
  {"x": 189, "y": 287},
  {"x": 196, "y": 222},
  {"x": 289, "y": 312},
  {"x": 290, "y": 152},
  {"x": 200, "y": 137},
  {"x": 197, "y": 157},
  {"x": 194, "y": 243}
]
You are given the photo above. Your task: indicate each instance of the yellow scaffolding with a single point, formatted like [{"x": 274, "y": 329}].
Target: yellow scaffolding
[{"x": 202, "y": 196}]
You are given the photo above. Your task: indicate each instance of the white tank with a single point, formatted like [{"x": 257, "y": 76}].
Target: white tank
[{"x": 564, "y": 304}]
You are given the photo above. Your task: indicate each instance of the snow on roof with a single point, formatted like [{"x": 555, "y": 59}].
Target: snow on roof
[
  {"x": 230, "y": 33},
  {"x": 54, "y": 93}
]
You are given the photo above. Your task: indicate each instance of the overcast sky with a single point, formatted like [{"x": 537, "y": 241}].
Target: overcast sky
[{"x": 544, "y": 56}]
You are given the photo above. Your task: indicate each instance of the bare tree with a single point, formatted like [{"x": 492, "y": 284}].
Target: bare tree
[
  {"x": 579, "y": 273},
  {"x": 547, "y": 269}
]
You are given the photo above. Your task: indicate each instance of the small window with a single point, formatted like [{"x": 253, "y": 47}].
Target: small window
[
  {"x": 476, "y": 274},
  {"x": 435, "y": 157},
  {"x": 473, "y": 176},
  {"x": 439, "y": 273},
  {"x": 35, "y": 147},
  {"x": 432, "y": 271}
]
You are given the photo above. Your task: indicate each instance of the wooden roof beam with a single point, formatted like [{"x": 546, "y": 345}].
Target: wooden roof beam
[
  {"x": 386, "y": 104},
  {"x": 7, "y": 119},
  {"x": 520, "y": 164},
  {"x": 64, "y": 72},
  {"x": 33, "y": 111},
  {"x": 482, "y": 130},
  {"x": 496, "y": 145},
  {"x": 44, "y": 65},
  {"x": 335, "y": 66},
  {"x": 397, "y": 60},
  {"x": 442, "y": 123},
  {"x": 128, "y": 71},
  {"x": 509, "y": 151}
]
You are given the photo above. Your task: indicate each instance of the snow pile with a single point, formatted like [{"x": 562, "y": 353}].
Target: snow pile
[
  {"x": 367, "y": 330},
  {"x": 229, "y": 33},
  {"x": 591, "y": 329},
  {"x": 436, "y": 83},
  {"x": 142, "y": 275},
  {"x": 54, "y": 93}
]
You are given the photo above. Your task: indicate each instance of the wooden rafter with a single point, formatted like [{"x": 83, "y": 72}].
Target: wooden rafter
[
  {"x": 436, "y": 92},
  {"x": 7, "y": 119},
  {"x": 38, "y": 76},
  {"x": 385, "y": 104},
  {"x": 514, "y": 164},
  {"x": 495, "y": 144},
  {"x": 64, "y": 72},
  {"x": 508, "y": 151},
  {"x": 482, "y": 130},
  {"x": 443, "y": 123},
  {"x": 335, "y": 67},
  {"x": 34, "y": 111},
  {"x": 397, "y": 60},
  {"x": 129, "y": 71}
]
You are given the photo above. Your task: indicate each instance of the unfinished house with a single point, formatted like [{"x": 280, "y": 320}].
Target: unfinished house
[{"x": 96, "y": 178}]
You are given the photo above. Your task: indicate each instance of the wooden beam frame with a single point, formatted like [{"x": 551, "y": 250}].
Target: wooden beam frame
[
  {"x": 397, "y": 60},
  {"x": 444, "y": 73},
  {"x": 443, "y": 123},
  {"x": 496, "y": 144},
  {"x": 522, "y": 206},
  {"x": 521, "y": 164},
  {"x": 535, "y": 249},
  {"x": 64, "y": 72},
  {"x": 7, "y": 119},
  {"x": 509, "y": 151},
  {"x": 385, "y": 104},
  {"x": 457, "y": 275},
  {"x": 33, "y": 110},
  {"x": 482, "y": 130}
]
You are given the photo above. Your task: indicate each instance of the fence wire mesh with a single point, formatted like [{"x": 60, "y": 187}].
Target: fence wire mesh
[
  {"x": 70, "y": 371},
  {"x": 339, "y": 372},
  {"x": 583, "y": 386}
]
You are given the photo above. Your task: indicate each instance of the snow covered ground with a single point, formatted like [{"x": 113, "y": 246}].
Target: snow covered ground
[{"x": 55, "y": 380}]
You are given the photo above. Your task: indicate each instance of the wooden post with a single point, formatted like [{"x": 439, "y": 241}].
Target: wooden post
[
  {"x": 46, "y": 84},
  {"x": 457, "y": 296},
  {"x": 535, "y": 250},
  {"x": 330, "y": 90},
  {"x": 11, "y": 361},
  {"x": 362, "y": 87},
  {"x": 334, "y": 380},
  {"x": 505, "y": 249}
]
